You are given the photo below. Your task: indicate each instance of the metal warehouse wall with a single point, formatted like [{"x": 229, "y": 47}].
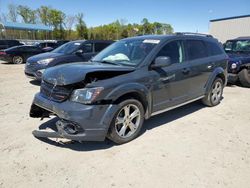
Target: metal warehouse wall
[{"x": 230, "y": 28}]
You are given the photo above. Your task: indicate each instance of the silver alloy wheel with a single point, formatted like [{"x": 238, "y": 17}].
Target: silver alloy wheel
[
  {"x": 127, "y": 120},
  {"x": 17, "y": 60},
  {"x": 216, "y": 92}
]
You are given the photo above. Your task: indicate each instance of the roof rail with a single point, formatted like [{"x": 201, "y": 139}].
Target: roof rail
[{"x": 190, "y": 33}]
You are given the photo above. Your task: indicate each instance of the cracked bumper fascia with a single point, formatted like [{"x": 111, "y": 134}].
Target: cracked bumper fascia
[{"x": 94, "y": 120}]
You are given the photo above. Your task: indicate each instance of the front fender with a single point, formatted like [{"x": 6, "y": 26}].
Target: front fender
[
  {"x": 217, "y": 72},
  {"x": 124, "y": 89}
]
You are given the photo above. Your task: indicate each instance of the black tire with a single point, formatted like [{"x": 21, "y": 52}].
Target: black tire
[
  {"x": 17, "y": 59},
  {"x": 113, "y": 132},
  {"x": 244, "y": 76},
  {"x": 209, "y": 99}
]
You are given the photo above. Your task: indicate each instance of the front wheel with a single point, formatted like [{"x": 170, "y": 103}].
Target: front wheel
[
  {"x": 127, "y": 122},
  {"x": 17, "y": 59},
  {"x": 214, "y": 95}
]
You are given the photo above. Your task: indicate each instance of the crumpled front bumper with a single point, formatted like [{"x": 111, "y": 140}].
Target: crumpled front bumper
[
  {"x": 76, "y": 121},
  {"x": 232, "y": 78}
]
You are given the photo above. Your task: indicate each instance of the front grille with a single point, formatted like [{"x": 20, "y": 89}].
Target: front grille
[{"x": 55, "y": 93}]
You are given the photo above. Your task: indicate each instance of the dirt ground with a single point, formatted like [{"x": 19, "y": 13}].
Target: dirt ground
[{"x": 192, "y": 146}]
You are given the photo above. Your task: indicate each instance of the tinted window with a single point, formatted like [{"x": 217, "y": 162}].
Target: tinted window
[
  {"x": 2, "y": 42},
  {"x": 100, "y": 46},
  {"x": 87, "y": 47},
  {"x": 196, "y": 49},
  {"x": 214, "y": 48},
  {"x": 173, "y": 50},
  {"x": 68, "y": 48}
]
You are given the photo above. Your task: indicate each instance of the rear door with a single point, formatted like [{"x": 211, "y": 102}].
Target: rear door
[
  {"x": 201, "y": 65},
  {"x": 172, "y": 84}
]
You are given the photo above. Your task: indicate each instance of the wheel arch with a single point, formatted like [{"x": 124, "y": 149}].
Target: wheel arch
[
  {"x": 132, "y": 91},
  {"x": 217, "y": 73}
]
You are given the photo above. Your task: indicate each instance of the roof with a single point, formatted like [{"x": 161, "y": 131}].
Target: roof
[
  {"x": 229, "y": 18},
  {"x": 25, "y": 26},
  {"x": 241, "y": 38}
]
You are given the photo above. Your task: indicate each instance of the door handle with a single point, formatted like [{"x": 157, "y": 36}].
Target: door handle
[
  {"x": 185, "y": 70},
  {"x": 210, "y": 66}
]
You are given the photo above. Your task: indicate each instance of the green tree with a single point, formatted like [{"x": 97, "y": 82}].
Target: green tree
[
  {"x": 24, "y": 12},
  {"x": 81, "y": 28},
  {"x": 43, "y": 13}
]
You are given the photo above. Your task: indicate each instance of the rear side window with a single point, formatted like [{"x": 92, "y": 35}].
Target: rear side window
[
  {"x": 196, "y": 49},
  {"x": 100, "y": 46},
  {"x": 173, "y": 50},
  {"x": 214, "y": 48}
]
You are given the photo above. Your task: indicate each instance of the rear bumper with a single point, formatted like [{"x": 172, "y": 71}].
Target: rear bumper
[
  {"x": 232, "y": 78},
  {"x": 6, "y": 58},
  {"x": 77, "y": 121}
]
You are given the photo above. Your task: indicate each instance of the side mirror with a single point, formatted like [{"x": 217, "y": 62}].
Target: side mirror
[
  {"x": 79, "y": 52},
  {"x": 161, "y": 61}
]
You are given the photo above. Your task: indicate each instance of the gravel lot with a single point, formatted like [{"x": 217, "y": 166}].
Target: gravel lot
[{"x": 193, "y": 146}]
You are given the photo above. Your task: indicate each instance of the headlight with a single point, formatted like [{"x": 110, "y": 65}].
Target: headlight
[
  {"x": 233, "y": 66},
  {"x": 45, "y": 61},
  {"x": 85, "y": 96}
]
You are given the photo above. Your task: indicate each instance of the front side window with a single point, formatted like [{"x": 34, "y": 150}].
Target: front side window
[
  {"x": 196, "y": 49},
  {"x": 127, "y": 52},
  {"x": 174, "y": 51},
  {"x": 87, "y": 48}
]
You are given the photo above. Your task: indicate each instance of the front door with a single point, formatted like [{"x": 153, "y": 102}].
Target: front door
[{"x": 171, "y": 86}]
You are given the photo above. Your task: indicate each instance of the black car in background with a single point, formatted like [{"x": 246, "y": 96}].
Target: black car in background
[
  {"x": 19, "y": 54},
  {"x": 238, "y": 51},
  {"x": 9, "y": 43},
  {"x": 74, "y": 51},
  {"x": 51, "y": 45}
]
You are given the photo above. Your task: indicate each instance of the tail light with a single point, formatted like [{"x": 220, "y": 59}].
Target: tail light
[{"x": 2, "y": 53}]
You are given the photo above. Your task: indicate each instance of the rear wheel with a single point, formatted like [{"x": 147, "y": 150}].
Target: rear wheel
[
  {"x": 127, "y": 122},
  {"x": 17, "y": 59},
  {"x": 213, "y": 97},
  {"x": 244, "y": 77}
]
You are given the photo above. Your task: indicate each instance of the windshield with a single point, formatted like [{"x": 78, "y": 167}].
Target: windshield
[
  {"x": 238, "y": 46},
  {"x": 126, "y": 52},
  {"x": 67, "y": 48}
]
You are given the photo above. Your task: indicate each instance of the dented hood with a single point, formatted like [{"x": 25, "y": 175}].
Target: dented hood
[{"x": 73, "y": 73}]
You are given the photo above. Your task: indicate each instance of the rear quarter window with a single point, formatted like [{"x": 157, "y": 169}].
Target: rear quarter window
[
  {"x": 214, "y": 48},
  {"x": 196, "y": 49}
]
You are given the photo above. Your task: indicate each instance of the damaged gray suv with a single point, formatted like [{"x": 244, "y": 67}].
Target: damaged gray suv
[{"x": 128, "y": 82}]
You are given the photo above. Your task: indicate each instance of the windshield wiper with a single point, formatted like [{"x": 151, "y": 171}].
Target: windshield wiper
[{"x": 105, "y": 62}]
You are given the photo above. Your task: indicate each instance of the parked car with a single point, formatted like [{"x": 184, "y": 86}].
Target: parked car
[
  {"x": 80, "y": 50},
  {"x": 238, "y": 51},
  {"x": 131, "y": 80},
  {"x": 9, "y": 43},
  {"x": 51, "y": 45},
  {"x": 19, "y": 54}
]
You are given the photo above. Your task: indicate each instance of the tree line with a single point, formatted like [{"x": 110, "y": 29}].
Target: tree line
[{"x": 74, "y": 27}]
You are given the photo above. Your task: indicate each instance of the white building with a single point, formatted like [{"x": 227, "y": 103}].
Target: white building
[{"x": 230, "y": 28}]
